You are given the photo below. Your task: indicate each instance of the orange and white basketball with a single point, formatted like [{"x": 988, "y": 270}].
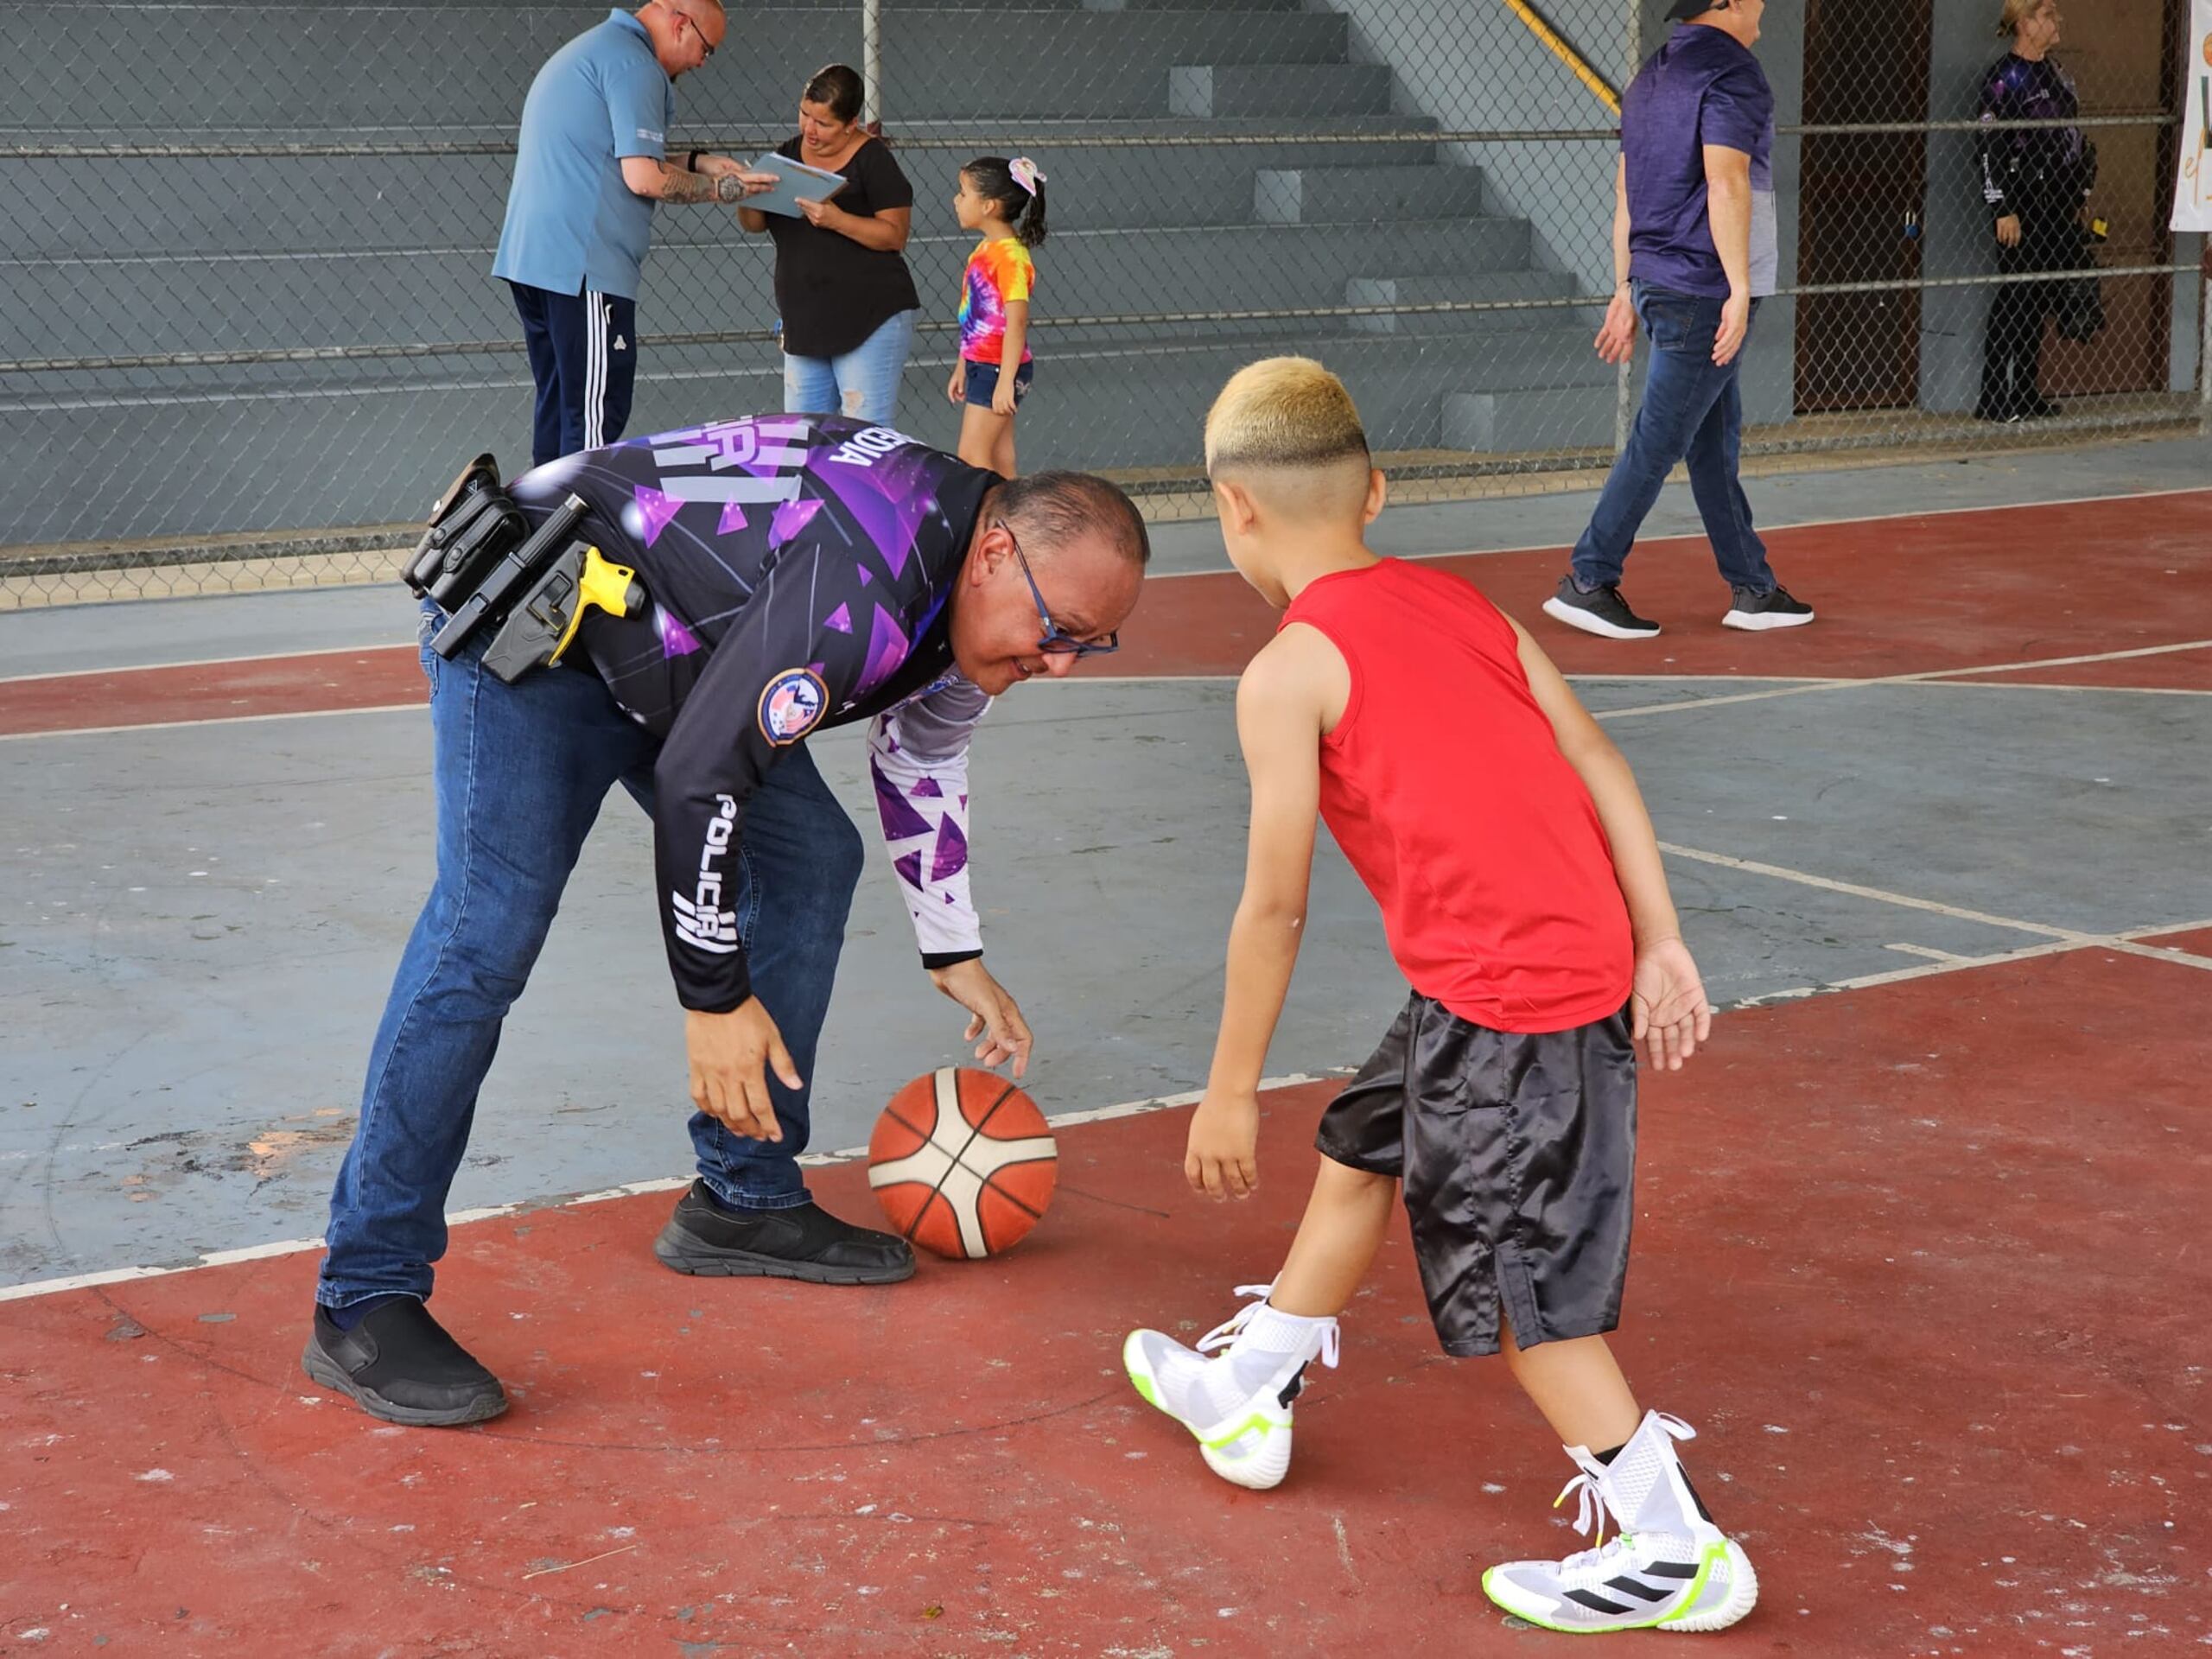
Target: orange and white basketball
[{"x": 963, "y": 1163}]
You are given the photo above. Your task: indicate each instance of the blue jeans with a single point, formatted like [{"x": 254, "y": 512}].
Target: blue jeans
[
  {"x": 1693, "y": 410},
  {"x": 520, "y": 771},
  {"x": 863, "y": 383}
]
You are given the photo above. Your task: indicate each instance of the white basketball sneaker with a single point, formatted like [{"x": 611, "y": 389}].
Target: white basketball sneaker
[
  {"x": 1670, "y": 1569},
  {"x": 1238, "y": 1405}
]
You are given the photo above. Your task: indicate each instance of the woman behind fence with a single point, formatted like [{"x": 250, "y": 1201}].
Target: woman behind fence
[
  {"x": 846, "y": 298},
  {"x": 2034, "y": 180}
]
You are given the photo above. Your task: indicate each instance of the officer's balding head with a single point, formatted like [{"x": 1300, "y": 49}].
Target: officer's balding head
[{"x": 1053, "y": 569}]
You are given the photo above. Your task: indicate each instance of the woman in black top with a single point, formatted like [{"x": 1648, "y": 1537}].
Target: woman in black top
[
  {"x": 2033, "y": 180},
  {"x": 847, "y": 299}
]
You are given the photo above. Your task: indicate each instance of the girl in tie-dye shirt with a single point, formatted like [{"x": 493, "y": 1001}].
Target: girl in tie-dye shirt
[{"x": 1005, "y": 201}]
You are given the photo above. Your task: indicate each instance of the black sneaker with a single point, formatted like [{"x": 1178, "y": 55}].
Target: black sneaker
[
  {"x": 1773, "y": 609},
  {"x": 399, "y": 1364},
  {"x": 1601, "y": 611},
  {"x": 806, "y": 1242}
]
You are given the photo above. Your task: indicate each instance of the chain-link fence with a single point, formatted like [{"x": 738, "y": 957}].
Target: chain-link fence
[{"x": 250, "y": 317}]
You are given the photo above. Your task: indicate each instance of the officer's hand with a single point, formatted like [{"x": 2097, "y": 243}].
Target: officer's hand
[
  {"x": 2008, "y": 231},
  {"x": 730, "y": 1054},
  {"x": 1005, "y": 1034}
]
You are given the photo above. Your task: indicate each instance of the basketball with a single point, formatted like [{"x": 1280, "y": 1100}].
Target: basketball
[{"x": 963, "y": 1163}]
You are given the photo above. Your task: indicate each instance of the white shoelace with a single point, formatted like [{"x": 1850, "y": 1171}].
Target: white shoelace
[
  {"x": 1227, "y": 1332},
  {"x": 1590, "y": 1495}
]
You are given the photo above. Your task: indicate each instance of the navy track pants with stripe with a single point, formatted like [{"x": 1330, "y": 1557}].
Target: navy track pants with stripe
[{"x": 583, "y": 357}]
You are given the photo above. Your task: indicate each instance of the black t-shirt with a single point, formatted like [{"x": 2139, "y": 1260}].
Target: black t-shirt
[{"x": 833, "y": 293}]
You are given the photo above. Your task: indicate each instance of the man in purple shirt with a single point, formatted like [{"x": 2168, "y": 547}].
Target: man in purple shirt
[{"x": 1693, "y": 253}]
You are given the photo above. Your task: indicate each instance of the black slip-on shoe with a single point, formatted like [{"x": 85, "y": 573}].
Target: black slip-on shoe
[
  {"x": 399, "y": 1364},
  {"x": 806, "y": 1242},
  {"x": 1775, "y": 608},
  {"x": 1601, "y": 611}
]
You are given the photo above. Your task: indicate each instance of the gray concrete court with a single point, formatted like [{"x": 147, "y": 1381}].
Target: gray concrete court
[{"x": 197, "y": 926}]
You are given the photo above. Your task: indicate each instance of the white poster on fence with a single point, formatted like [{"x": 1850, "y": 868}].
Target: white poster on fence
[{"x": 2193, "y": 185}]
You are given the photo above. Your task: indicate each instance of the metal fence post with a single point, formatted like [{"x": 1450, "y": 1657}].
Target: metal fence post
[
  {"x": 872, "y": 60},
  {"x": 1624, "y": 390}
]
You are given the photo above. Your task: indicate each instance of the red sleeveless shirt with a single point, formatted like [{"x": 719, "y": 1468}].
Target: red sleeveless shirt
[{"x": 1447, "y": 790}]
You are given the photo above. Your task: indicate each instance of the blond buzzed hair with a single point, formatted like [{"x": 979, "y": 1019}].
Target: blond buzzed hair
[
  {"x": 2016, "y": 12},
  {"x": 1283, "y": 412}
]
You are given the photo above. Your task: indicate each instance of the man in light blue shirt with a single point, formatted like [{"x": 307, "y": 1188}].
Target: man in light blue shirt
[{"x": 589, "y": 166}]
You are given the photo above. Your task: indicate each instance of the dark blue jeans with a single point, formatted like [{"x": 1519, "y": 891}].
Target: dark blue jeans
[
  {"x": 1693, "y": 410},
  {"x": 520, "y": 772}
]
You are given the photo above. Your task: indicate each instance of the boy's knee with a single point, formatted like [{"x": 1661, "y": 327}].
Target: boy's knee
[{"x": 1345, "y": 1180}]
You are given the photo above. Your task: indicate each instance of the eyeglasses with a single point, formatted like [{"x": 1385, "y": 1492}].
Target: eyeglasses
[
  {"x": 706, "y": 50},
  {"x": 1057, "y": 641}
]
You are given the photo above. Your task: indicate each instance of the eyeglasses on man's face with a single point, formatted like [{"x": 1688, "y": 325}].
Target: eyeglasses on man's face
[{"x": 1056, "y": 640}]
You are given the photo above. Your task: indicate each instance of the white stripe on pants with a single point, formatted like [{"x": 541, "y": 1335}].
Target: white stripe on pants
[{"x": 595, "y": 311}]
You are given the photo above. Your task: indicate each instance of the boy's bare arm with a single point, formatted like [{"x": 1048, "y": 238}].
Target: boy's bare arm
[
  {"x": 1281, "y": 704},
  {"x": 1612, "y": 787},
  {"x": 1671, "y": 1014}
]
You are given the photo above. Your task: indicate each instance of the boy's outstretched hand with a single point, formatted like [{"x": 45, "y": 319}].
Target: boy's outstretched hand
[
  {"x": 1671, "y": 1016},
  {"x": 1223, "y": 1158}
]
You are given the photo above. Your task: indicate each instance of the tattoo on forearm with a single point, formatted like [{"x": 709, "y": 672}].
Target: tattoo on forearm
[{"x": 676, "y": 185}]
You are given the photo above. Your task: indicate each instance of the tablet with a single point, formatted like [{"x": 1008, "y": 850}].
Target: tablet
[{"x": 800, "y": 182}]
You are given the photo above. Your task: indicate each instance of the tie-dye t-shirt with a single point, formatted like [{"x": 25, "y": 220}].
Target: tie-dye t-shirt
[
  {"x": 800, "y": 567},
  {"x": 998, "y": 273}
]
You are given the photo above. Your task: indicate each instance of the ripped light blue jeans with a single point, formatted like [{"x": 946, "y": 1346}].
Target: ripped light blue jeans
[{"x": 863, "y": 383}]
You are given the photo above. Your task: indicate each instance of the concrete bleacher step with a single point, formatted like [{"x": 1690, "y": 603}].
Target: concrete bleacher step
[
  {"x": 213, "y": 302},
  {"x": 1220, "y": 88},
  {"x": 1462, "y": 287},
  {"x": 460, "y": 66},
  {"x": 1524, "y": 418},
  {"x": 1320, "y": 192}
]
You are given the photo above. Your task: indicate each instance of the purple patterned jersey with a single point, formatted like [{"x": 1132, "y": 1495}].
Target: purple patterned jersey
[{"x": 800, "y": 568}]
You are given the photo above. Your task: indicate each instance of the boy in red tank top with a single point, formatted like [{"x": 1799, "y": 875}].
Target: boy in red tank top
[{"x": 1524, "y": 899}]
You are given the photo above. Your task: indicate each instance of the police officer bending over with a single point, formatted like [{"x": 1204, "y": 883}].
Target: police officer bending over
[{"x": 716, "y": 596}]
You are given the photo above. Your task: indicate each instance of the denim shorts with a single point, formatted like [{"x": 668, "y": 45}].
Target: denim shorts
[
  {"x": 983, "y": 383},
  {"x": 1518, "y": 1155}
]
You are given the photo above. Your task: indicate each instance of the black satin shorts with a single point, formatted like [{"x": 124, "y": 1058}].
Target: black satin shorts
[{"x": 1518, "y": 1155}]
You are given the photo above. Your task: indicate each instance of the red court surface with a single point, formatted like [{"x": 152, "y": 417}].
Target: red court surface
[
  {"x": 1907, "y": 595},
  {"x": 1922, "y": 1261},
  {"x": 1947, "y": 593}
]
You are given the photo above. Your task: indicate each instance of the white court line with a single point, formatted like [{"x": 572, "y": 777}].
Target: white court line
[
  {"x": 217, "y": 720},
  {"x": 1795, "y": 524},
  {"x": 2125, "y": 943},
  {"x": 1805, "y": 878},
  {"x": 7, "y": 680},
  {"x": 627, "y": 1190},
  {"x": 1928, "y": 677},
  {"x": 1792, "y": 688},
  {"x": 2125, "y": 940},
  {"x": 1927, "y": 950},
  {"x": 1222, "y": 570}
]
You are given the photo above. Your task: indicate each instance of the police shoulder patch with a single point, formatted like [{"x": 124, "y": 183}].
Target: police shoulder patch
[{"x": 791, "y": 705}]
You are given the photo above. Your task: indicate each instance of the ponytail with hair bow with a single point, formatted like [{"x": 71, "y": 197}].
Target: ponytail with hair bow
[{"x": 1026, "y": 173}]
